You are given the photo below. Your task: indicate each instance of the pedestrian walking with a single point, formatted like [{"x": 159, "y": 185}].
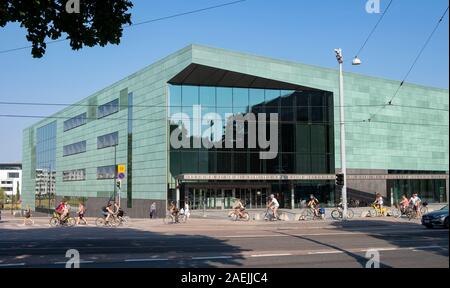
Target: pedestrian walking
[{"x": 153, "y": 210}]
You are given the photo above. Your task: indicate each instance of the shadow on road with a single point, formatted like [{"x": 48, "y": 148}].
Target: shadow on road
[{"x": 43, "y": 246}]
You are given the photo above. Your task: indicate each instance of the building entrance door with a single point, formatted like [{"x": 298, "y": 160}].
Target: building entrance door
[{"x": 204, "y": 197}]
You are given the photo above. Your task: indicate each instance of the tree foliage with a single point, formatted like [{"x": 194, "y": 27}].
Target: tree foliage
[{"x": 99, "y": 22}]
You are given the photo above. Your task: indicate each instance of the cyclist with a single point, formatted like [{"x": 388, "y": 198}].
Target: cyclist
[
  {"x": 415, "y": 202},
  {"x": 62, "y": 211},
  {"x": 81, "y": 211},
  {"x": 379, "y": 202},
  {"x": 238, "y": 207},
  {"x": 313, "y": 204},
  {"x": 274, "y": 205},
  {"x": 174, "y": 211},
  {"x": 404, "y": 204},
  {"x": 27, "y": 215},
  {"x": 107, "y": 211}
]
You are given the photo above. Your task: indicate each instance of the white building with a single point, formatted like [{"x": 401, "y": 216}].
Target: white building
[{"x": 11, "y": 178}]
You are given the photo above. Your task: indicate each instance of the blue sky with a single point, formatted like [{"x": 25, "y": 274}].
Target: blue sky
[{"x": 304, "y": 31}]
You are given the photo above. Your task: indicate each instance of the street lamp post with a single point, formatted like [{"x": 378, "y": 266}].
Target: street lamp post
[{"x": 340, "y": 60}]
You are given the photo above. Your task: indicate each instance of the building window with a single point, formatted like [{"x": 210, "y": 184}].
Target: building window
[
  {"x": 13, "y": 175},
  {"x": 74, "y": 175},
  {"x": 106, "y": 172},
  {"x": 7, "y": 189},
  {"x": 108, "y": 109},
  {"x": 108, "y": 140},
  {"x": 75, "y": 122},
  {"x": 74, "y": 149},
  {"x": 7, "y": 182}
]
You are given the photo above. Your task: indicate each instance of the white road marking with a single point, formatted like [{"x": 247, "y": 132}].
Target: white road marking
[
  {"x": 145, "y": 260},
  {"x": 326, "y": 252},
  {"x": 12, "y": 265},
  {"x": 270, "y": 255},
  {"x": 212, "y": 258},
  {"x": 81, "y": 262}
]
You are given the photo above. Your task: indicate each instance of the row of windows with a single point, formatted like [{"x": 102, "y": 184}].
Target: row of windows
[
  {"x": 7, "y": 182},
  {"x": 13, "y": 175},
  {"x": 105, "y": 172},
  {"x": 7, "y": 189},
  {"x": 74, "y": 149},
  {"x": 108, "y": 140},
  {"x": 108, "y": 109},
  {"x": 75, "y": 122},
  {"x": 74, "y": 175},
  {"x": 102, "y": 112}
]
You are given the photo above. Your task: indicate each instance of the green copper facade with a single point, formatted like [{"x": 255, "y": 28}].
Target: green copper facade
[{"x": 400, "y": 137}]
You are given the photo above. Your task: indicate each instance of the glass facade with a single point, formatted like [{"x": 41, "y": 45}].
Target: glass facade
[
  {"x": 45, "y": 169},
  {"x": 108, "y": 140},
  {"x": 75, "y": 122},
  {"x": 305, "y": 138},
  {"x": 432, "y": 191},
  {"x": 108, "y": 109},
  {"x": 73, "y": 149},
  {"x": 305, "y": 143}
]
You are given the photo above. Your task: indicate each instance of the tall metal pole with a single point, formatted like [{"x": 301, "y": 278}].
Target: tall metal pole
[
  {"x": 340, "y": 59},
  {"x": 115, "y": 172}
]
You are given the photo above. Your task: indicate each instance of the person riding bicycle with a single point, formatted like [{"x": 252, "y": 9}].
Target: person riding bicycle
[
  {"x": 62, "y": 211},
  {"x": 27, "y": 214},
  {"x": 379, "y": 202},
  {"x": 174, "y": 211},
  {"x": 107, "y": 211},
  {"x": 415, "y": 203},
  {"x": 313, "y": 204},
  {"x": 238, "y": 207},
  {"x": 274, "y": 205},
  {"x": 404, "y": 204}
]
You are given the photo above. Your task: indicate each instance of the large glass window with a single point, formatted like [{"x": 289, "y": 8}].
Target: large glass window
[
  {"x": 13, "y": 175},
  {"x": 75, "y": 122},
  {"x": 304, "y": 130},
  {"x": 108, "y": 140},
  {"x": 106, "y": 172},
  {"x": 73, "y": 149},
  {"x": 74, "y": 175},
  {"x": 108, "y": 109}
]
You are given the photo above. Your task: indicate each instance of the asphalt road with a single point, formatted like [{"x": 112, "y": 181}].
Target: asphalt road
[{"x": 205, "y": 243}]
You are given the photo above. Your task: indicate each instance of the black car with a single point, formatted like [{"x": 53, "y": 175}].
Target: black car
[{"x": 436, "y": 218}]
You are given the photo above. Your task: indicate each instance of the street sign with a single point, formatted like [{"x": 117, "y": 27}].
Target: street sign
[
  {"x": 121, "y": 176},
  {"x": 121, "y": 169}
]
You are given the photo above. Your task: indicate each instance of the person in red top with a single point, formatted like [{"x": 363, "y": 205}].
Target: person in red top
[{"x": 62, "y": 210}]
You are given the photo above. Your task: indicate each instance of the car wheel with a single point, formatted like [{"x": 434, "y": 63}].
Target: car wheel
[{"x": 446, "y": 223}]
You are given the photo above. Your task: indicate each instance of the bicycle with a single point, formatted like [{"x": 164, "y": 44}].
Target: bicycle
[
  {"x": 310, "y": 215},
  {"x": 175, "y": 219},
  {"x": 374, "y": 211},
  {"x": 269, "y": 215},
  {"x": 56, "y": 221},
  {"x": 112, "y": 222},
  {"x": 236, "y": 217},
  {"x": 338, "y": 213}
]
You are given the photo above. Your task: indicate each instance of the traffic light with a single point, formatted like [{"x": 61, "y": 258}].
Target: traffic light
[
  {"x": 119, "y": 184},
  {"x": 340, "y": 180}
]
